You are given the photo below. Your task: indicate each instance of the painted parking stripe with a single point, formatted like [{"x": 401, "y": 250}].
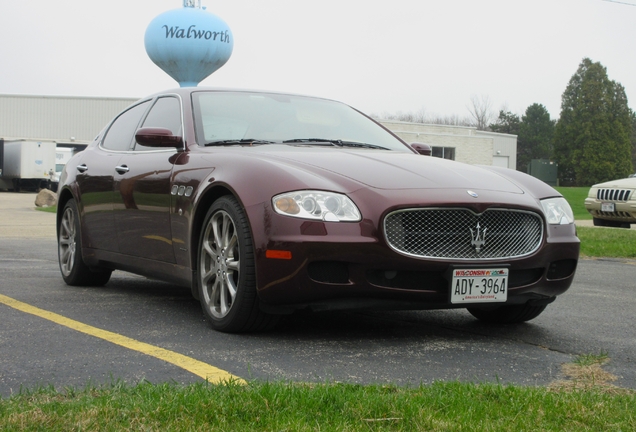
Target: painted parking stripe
[{"x": 208, "y": 372}]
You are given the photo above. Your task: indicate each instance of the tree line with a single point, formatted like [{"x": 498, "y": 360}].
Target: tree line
[{"x": 594, "y": 139}]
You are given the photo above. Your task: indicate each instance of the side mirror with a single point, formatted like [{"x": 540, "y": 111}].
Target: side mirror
[
  {"x": 423, "y": 149},
  {"x": 157, "y": 137}
]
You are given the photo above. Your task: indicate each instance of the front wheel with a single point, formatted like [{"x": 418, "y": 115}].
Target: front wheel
[
  {"x": 508, "y": 314},
  {"x": 69, "y": 251},
  {"x": 226, "y": 275}
]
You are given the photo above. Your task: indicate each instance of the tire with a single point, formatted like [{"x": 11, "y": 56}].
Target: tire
[
  {"x": 69, "y": 251},
  {"x": 226, "y": 275},
  {"x": 508, "y": 314},
  {"x": 610, "y": 224}
]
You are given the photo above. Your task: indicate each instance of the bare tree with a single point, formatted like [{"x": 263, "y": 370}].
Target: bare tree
[
  {"x": 421, "y": 116},
  {"x": 450, "y": 120},
  {"x": 480, "y": 109},
  {"x": 410, "y": 116}
]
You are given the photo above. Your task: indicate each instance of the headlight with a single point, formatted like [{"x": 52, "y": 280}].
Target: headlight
[
  {"x": 317, "y": 205},
  {"x": 557, "y": 211}
]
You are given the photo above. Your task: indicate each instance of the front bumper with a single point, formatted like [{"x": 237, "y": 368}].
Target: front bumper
[
  {"x": 349, "y": 265},
  {"x": 623, "y": 211}
]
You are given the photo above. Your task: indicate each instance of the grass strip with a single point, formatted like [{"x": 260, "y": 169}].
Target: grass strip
[
  {"x": 607, "y": 242},
  {"x": 281, "y": 406},
  {"x": 50, "y": 209}
]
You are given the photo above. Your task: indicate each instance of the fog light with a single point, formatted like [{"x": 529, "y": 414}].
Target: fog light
[{"x": 390, "y": 274}]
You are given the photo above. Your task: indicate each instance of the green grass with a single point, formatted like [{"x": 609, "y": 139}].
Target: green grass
[
  {"x": 51, "y": 209},
  {"x": 607, "y": 242},
  {"x": 576, "y": 198},
  {"x": 591, "y": 359},
  {"x": 326, "y": 407}
]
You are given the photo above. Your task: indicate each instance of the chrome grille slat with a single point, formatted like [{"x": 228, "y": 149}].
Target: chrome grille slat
[{"x": 445, "y": 233}]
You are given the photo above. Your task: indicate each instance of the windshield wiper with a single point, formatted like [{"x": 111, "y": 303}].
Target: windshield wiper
[
  {"x": 361, "y": 145},
  {"x": 336, "y": 142},
  {"x": 313, "y": 141},
  {"x": 239, "y": 142}
]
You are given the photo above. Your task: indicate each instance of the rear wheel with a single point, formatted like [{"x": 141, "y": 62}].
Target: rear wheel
[
  {"x": 74, "y": 270},
  {"x": 226, "y": 273},
  {"x": 508, "y": 314}
]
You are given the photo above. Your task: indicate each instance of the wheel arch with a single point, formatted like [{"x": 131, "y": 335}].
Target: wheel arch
[
  {"x": 204, "y": 203},
  {"x": 64, "y": 196}
]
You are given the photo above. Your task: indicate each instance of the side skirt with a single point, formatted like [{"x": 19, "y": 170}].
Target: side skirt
[{"x": 164, "y": 271}]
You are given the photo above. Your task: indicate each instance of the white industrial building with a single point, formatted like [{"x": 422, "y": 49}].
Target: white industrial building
[
  {"x": 75, "y": 121},
  {"x": 460, "y": 143},
  {"x": 64, "y": 119}
]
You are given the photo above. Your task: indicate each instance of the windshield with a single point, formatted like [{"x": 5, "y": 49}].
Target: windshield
[{"x": 240, "y": 117}]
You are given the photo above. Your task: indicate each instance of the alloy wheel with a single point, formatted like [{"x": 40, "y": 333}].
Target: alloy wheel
[
  {"x": 67, "y": 244},
  {"x": 220, "y": 264}
]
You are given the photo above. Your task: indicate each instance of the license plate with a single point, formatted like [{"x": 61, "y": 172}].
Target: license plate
[
  {"x": 607, "y": 207},
  {"x": 479, "y": 285}
]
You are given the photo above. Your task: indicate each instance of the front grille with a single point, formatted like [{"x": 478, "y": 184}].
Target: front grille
[
  {"x": 613, "y": 194},
  {"x": 463, "y": 235}
]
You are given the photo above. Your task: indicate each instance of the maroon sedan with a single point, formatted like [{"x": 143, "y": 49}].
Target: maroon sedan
[{"x": 265, "y": 203}]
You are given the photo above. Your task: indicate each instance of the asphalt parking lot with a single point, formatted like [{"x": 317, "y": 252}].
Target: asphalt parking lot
[{"x": 405, "y": 348}]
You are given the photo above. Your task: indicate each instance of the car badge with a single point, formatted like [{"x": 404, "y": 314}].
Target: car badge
[
  {"x": 472, "y": 194},
  {"x": 478, "y": 238}
]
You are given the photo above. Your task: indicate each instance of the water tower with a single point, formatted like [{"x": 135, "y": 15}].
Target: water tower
[{"x": 189, "y": 43}]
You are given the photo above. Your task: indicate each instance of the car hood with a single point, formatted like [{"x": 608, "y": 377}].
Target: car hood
[
  {"x": 626, "y": 183},
  {"x": 393, "y": 170}
]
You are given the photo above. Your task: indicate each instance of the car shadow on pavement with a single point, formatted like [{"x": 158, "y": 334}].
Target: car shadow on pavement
[{"x": 132, "y": 294}]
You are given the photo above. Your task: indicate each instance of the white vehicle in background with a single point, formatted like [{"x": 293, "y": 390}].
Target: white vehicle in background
[
  {"x": 62, "y": 156},
  {"x": 27, "y": 164},
  {"x": 613, "y": 203}
]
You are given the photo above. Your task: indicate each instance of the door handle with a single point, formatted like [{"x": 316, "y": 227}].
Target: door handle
[
  {"x": 122, "y": 169},
  {"x": 82, "y": 168}
]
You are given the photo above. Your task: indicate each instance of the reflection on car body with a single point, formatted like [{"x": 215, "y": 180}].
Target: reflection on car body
[{"x": 264, "y": 203}]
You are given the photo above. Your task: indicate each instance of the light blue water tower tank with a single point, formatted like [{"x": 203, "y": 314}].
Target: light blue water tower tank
[{"x": 189, "y": 43}]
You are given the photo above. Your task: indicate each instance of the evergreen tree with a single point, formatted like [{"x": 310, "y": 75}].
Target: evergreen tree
[
  {"x": 536, "y": 133},
  {"x": 507, "y": 122},
  {"x": 633, "y": 142},
  {"x": 593, "y": 135}
]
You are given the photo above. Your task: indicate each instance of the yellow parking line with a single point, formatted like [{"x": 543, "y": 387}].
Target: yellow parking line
[{"x": 204, "y": 370}]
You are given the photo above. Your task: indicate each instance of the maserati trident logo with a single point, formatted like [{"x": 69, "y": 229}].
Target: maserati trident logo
[
  {"x": 478, "y": 238},
  {"x": 472, "y": 194}
]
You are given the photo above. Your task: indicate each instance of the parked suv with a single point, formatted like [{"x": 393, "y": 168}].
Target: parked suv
[{"x": 613, "y": 203}]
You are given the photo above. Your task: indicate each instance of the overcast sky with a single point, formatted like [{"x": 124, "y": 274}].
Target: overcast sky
[{"x": 379, "y": 56}]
